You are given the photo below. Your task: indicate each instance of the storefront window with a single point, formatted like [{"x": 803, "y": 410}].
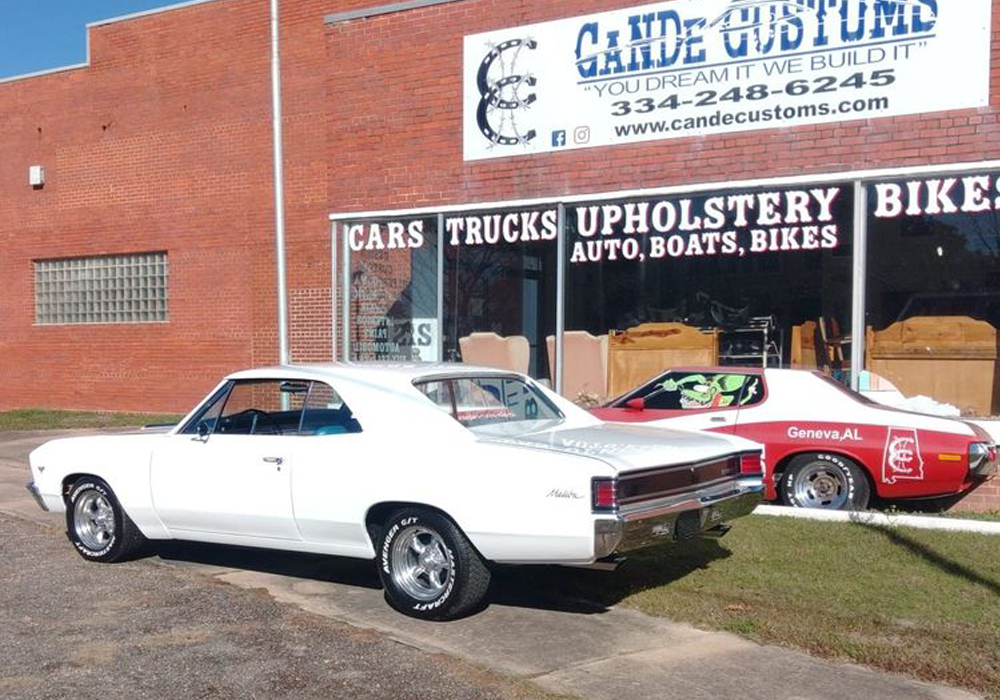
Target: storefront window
[
  {"x": 735, "y": 278},
  {"x": 933, "y": 289},
  {"x": 393, "y": 303},
  {"x": 500, "y": 288}
]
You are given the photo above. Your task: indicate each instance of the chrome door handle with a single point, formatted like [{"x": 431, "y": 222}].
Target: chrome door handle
[
  {"x": 274, "y": 460},
  {"x": 719, "y": 419}
]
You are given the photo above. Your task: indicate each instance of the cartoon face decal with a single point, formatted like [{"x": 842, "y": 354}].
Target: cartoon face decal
[
  {"x": 698, "y": 391},
  {"x": 902, "y": 459}
]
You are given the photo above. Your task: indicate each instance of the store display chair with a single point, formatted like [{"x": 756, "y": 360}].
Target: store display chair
[
  {"x": 833, "y": 350},
  {"x": 511, "y": 353},
  {"x": 586, "y": 360}
]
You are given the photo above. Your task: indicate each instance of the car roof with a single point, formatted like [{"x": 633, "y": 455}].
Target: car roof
[
  {"x": 743, "y": 370},
  {"x": 716, "y": 370},
  {"x": 383, "y": 372}
]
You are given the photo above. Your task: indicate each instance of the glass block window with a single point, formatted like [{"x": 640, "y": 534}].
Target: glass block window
[{"x": 104, "y": 289}]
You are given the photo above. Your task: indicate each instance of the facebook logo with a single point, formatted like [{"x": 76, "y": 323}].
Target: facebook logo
[{"x": 559, "y": 138}]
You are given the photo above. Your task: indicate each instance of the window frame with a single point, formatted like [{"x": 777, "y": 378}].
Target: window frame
[
  {"x": 453, "y": 411},
  {"x": 742, "y": 371},
  {"x": 305, "y": 406},
  {"x": 114, "y": 289},
  {"x": 222, "y": 393}
]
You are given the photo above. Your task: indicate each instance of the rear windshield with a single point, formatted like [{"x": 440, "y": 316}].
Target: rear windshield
[
  {"x": 479, "y": 401},
  {"x": 844, "y": 389}
]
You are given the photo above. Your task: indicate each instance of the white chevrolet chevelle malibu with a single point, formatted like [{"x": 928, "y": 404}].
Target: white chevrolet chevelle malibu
[{"x": 435, "y": 471}]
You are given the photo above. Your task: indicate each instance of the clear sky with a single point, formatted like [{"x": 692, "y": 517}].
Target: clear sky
[{"x": 42, "y": 34}]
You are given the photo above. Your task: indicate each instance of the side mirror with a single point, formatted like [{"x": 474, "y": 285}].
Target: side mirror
[
  {"x": 203, "y": 431},
  {"x": 636, "y": 404}
]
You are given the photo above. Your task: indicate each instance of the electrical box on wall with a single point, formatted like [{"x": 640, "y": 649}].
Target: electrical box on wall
[{"x": 36, "y": 175}]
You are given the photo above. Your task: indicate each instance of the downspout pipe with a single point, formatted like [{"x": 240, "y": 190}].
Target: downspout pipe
[{"x": 284, "y": 355}]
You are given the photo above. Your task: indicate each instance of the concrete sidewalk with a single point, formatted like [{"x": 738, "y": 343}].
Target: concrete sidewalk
[{"x": 567, "y": 646}]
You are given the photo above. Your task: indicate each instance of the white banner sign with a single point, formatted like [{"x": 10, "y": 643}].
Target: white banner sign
[{"x": 696, "y": 67}]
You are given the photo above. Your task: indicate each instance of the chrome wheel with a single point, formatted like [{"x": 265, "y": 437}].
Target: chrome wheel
[
  {"x": 94, "y": 520},
  {"x": 420, "y": 563},
  {"x": 821, "y": 485}
]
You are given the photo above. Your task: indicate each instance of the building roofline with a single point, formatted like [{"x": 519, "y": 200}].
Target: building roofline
[
  {"x": 99, "y": 23},
  {"x": 48, "y": 71},
  {"x": 145, "y": 13},
  {"x": 390, "y": 8}
]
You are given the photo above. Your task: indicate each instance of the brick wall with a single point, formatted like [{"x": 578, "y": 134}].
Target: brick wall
[
  {"x": 984, "y": 498},
  {"x": 395, "y": 80},
  {"x": 161, "y": 144},
  {"x": 164, "y": 143}
]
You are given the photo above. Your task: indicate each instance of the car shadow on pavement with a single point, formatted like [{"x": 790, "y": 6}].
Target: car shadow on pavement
[
  {"x": 941, "y": 562},
  {"x": 555, "y": 588},
  {"x": 588, "y": 592},
  {"x": 316, "y": 567}
]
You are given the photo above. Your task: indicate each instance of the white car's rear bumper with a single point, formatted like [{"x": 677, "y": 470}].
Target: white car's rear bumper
[{"x": 678, "y": 517}]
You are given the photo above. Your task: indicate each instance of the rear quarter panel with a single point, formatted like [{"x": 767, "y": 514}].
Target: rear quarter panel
[
  {"x": 906, "y": 455},
  {"x": 897, "y": 467},
  {"x": 514, "y": 504}
]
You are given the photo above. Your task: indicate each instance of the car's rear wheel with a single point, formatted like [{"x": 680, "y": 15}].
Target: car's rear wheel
[
  {"x": 428, "y": 567},
  {"x": 825, "y": 481},
  {"x": 98, "y": 526}
]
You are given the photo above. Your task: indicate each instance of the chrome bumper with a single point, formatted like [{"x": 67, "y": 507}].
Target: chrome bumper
[
  {"x": 676, "y": 518},
  {"x": 33, "y": 490},
  {"x": 986, "y": 469}
]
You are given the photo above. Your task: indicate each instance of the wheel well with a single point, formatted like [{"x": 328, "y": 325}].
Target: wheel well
[
  {"x": 782, "y": 465},
  {"x": 68, "y": 481},
  {"x": 376, "y": 516}
]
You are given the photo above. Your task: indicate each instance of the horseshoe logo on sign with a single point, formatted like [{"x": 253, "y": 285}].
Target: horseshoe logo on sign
[{"x": 504, "y": 95}]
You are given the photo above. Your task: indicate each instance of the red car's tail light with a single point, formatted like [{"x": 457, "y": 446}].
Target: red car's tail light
[
  {"x": 751, "y": 464},
  {"x": 605, "y": 494}
]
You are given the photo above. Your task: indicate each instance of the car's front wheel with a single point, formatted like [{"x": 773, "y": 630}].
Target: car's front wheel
[
  {"x": 428, "y": 568},
  {"x": 825, "y": 481},
  {"x": 98, "y": 526}
]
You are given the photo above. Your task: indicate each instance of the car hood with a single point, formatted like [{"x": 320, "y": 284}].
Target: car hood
[
  {"x": 87, "y": 447},
  {"x": 625, "y": 447}
]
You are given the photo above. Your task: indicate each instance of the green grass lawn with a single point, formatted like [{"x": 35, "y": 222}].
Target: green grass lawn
[
  {"x": 40, "y": 419},
  {"x": 920, "y": 603}
]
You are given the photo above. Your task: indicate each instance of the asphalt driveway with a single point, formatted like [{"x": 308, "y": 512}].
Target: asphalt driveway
[{"x": 574, "y": 647}]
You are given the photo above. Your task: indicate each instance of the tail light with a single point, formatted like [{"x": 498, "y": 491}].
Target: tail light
[
  {"x": 605, "y": 494},
  {"x": 751, "y": 464}
]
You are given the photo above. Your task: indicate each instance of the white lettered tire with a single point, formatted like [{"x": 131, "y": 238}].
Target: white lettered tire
[
  {"x": 428, "y": 568},
  {"x": 827, "y": 481},
  {"x": 97, "y": 525}
]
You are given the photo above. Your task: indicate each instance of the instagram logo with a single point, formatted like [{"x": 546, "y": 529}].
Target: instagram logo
[{"x": 581, "y": 135}]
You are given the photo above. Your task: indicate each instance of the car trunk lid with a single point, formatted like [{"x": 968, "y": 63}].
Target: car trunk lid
[{"x": 627, "y": 448}]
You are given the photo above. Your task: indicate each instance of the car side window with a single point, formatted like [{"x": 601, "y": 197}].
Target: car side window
[
  {"x": 701, "y": 391},
  {"x": 263, "y": 407},
  {"x": 476, "y": 401},
  {"x": 753, "y": 391},
  {"x": 325, "y": 413},
  {"x": 440, "y": 394}
]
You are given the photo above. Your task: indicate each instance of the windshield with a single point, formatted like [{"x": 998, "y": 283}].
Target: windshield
[{"x": 477, "y": 401}]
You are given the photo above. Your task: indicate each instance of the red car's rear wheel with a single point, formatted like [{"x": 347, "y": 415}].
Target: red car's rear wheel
[{"x": 824, "y": 481}]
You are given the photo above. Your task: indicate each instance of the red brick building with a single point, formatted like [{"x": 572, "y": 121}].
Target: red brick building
[{"x": 157, "y": 157}]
